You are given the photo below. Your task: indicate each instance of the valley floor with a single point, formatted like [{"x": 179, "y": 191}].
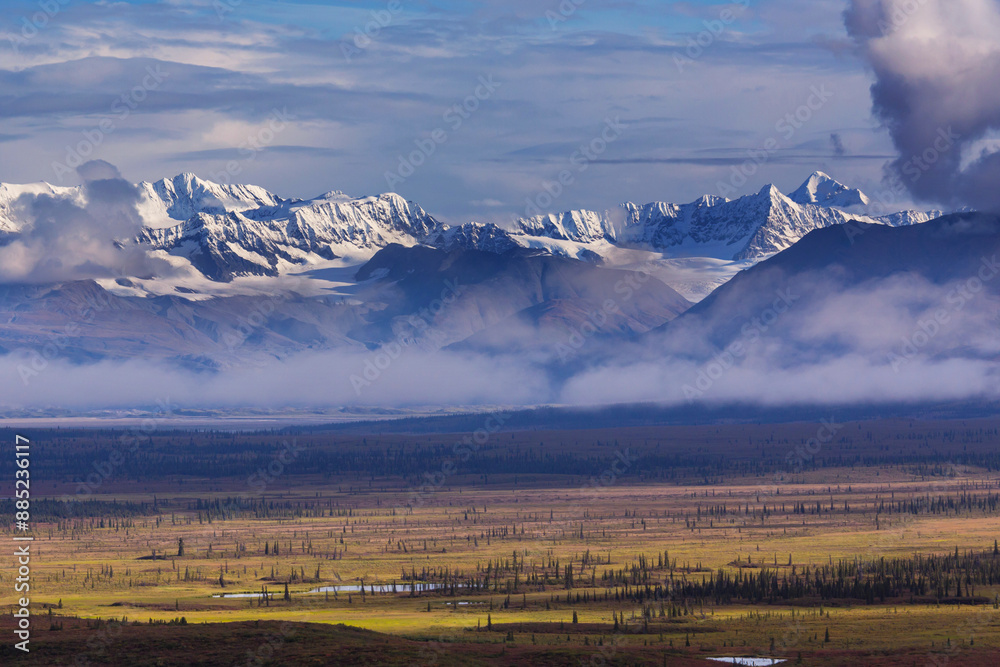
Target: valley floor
[{"x": 634, "y": 549}]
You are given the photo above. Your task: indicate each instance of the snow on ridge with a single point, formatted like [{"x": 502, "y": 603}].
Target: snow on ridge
[
  {"x": 229, "y": 231},
  {"x": 14, "y": 196},
  {"x": 261, "y": 241},
  {"x": 180, "y": 198},
  {"x": 751, "y": 227},
  {"x": 822, "y": 190}
]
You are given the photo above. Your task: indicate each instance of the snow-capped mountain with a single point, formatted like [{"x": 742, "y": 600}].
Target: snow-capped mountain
[
  {"x": 922, "y": 266},
  {"x": 281, "y": 234},
  {"x": 215, "y": 234},
  {"x": 390, "y": 300},
  {"x": 823, "y": 190},
  {"x": 477, "y": 236},
  {"x": 749, "y": 228},
  {"x": 183, "y": 197},
  {"x": 337, "y": 272},
  {"x": 226, "y": 231},
  {"x": 581, "y": 226},
  {"x": 13, "y": 198}
]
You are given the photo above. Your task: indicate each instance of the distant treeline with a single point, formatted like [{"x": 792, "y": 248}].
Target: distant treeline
[
  {"x": 86, "y": 458},
  {"x": 46, "y": 510}
]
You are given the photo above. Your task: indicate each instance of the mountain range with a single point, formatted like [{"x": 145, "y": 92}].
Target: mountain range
[
  {"x": 231, "y": 231},
  {"x": 224, "y": 232},
  {"x": 254, "y": 277}
]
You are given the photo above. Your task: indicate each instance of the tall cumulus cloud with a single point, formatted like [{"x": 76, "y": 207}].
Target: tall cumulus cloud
[
  {"x": 936, "y": 65},
  {"x": 77, "y": 235}
]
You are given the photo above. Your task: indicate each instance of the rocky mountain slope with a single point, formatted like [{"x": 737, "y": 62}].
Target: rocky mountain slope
[
  {"x": 255, "y": 277},
  {"x": 228, "y": 231},
  {"x": 417, "y": 297}
]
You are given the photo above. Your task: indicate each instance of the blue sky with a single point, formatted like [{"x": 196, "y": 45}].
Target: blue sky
[{"x": 355, "y": 107}]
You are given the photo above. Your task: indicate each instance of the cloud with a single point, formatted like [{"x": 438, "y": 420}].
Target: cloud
[
  {"x": 559, "y": 84},
  {"x": 98, "y": 170},
  {"x": 936, "y": 64},
  {"x": 900, "y": 338},
  {"x": 837, "y": 144},
  {"x": 238, "y": 154},
  {"x": 73, "y": 236},
  {"x": 416, "y": 378}
]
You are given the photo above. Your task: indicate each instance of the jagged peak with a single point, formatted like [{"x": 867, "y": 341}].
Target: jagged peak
[
  {"x": 14, "y": 190},
  {"x": 771, "y": 190},
  {"x": 709, "y": 200},
  {"x": 189, "y": 182},
  {"x": 186, "y": 181},
  {"x": 335, "y": 195},
  {"x": 821, "y": 189},
  {"x": 818, "y": 181},
  {"x": 475, "y": 224},
  {"x": 393, "y": 196},
  {"x": 338, "y": 197},
  {"x": 818, "y": 176},
  {"x": 577, "y": 225},
  {"x": 187, "y": 176}
]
